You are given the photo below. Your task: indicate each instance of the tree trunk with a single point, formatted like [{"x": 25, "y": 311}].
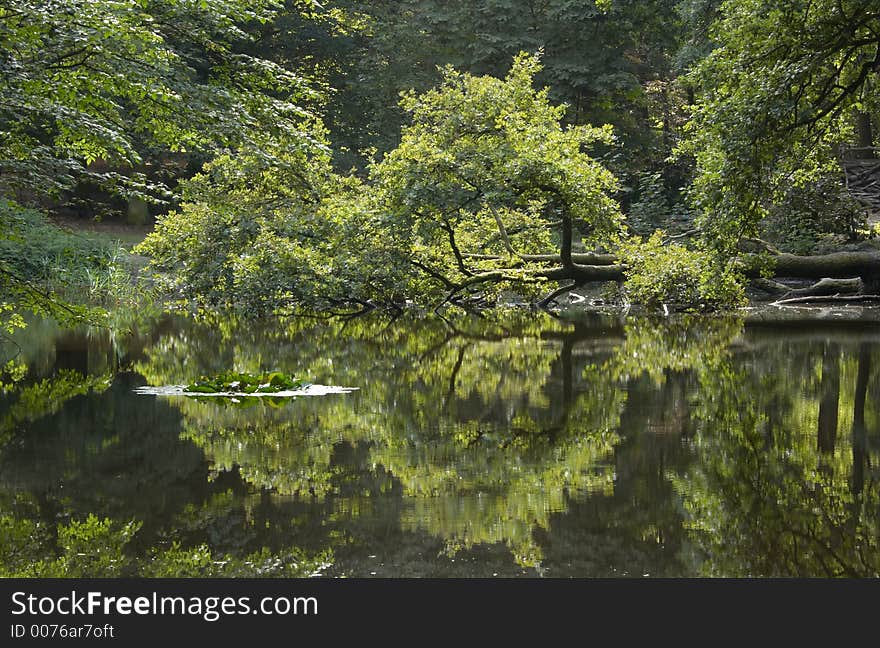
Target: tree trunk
[
  {"x": 859, "y": 431},
  {"x": 865, "y": 134},
  {"x": 838, "y": 264},
  {"x": 840, "y": 274},
  {"x": 829, "y": 287},
  {"x": 848, "y": 265},
  {"x": 829, "y": 400},
  {"x": 584, "y": 273}
]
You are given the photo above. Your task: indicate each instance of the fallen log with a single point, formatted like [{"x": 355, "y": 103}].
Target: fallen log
[
  {"x": 584, "y": 273},
  {"x": 828, "y": 286},
  {"x": 839, "y": 273},
  {"x": 836, "y": 265},
  {"x": 850, "y": 266},
  {"x": 825, "y": 299},
  {"x": 864, "y": 264}
]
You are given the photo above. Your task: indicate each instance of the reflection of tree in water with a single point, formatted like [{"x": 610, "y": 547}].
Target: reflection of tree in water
[
  {"x": 785, "y": 482},
  {"x": 485, "y": 429},
  {"x": 471, "y": 444},
  {"x": 75, "y": 446}
]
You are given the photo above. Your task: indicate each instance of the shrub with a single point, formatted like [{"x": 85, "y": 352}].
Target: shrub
[{"x": 674, "y": 275}]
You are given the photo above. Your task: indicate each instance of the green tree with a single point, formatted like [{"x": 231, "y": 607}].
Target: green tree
[
  {"x": 484, "y": 175},
  {"x": 486, "y": 168},
  {"x": 88, "y": 85},
  {"x": 93, "y": 89},
  {"x": 778, "y": 94},
  {"x": 600, "y": 57}
]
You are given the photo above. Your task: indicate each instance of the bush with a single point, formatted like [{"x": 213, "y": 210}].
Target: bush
[{"x": 676, "y": 276}]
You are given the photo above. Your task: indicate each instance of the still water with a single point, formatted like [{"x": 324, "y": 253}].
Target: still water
[{"x": 513, "y": 444}]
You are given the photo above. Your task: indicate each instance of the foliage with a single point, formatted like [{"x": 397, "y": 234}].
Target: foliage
[
  {"x": 88, "y": 85},
  {"x": 258, "y": 240},
  {"x": 651, "y": 209},
  {"x": 599, "y": 59},
  {"x": 99, "y": 548},
  {"x": 52, "y": 271},
  {"x": 484, "y": 168},
  {"x": 265, "y": 383},
  {"x": 670, "y": 274},
  {"x": 656, "y": 207},
  {"x": 815, "y": 218},
  {"x": 454, "y": 206},
  {"x": 778, "y": 94},
  {"x": 697, "y": 17},
  {"x": 95, "y": 91}
]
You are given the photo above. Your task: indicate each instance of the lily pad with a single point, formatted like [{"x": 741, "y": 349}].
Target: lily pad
[
  {"x": 244, "y": 387},
  {"x": 246, "y": 383}
]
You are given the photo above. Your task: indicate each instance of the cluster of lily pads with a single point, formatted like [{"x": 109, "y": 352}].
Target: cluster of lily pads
[{"x": 246, "y": 383}]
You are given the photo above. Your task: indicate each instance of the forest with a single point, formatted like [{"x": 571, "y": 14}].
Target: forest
[
  {"x": 340, "y": 156},
  {"x": 595, "y": 281}
]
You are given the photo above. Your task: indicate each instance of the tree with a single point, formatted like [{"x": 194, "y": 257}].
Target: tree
[
  {"x": 779, "y": 93},
  {"x": 606, "y": 60},
  {"x": 484, "y": 176},
  {"x": 92, "y": 89},
  {"x": 88, "y": 85}
]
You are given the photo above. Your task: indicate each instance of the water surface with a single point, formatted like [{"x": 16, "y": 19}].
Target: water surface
[{"x": 513, "y": 444}]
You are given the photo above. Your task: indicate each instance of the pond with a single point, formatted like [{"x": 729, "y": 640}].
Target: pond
[{"x": 513, "y": 444}]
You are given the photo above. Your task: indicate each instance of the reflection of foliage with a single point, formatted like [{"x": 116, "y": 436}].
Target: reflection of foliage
[
  {"x": 96, "y": 548},
  {"x": 574, "y": 446},
  {"x": 684, "y": 343},
  {"x": 199, "y": 562},
  {"x": 47, "y": 396},
  {"x": 271, "y": 451},
  {"x": 481, "y": 415},
  {"x": 768, "y": 499},
  {"x": 495, "y": 495}
]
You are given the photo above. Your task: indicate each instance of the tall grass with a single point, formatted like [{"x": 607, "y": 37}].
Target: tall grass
[{"x": 84, "y": 268}]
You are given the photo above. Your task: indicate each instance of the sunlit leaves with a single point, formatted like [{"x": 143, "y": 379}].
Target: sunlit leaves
[
  {"x": 668, "y": 274},
  {"x": 487, "y": 159},
  {"x": 778, "y": 95},
  {"x": 89, "y": 86},
  {"x": 485, "y": 167}
]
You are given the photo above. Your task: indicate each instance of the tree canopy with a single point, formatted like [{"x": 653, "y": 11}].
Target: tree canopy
[
  {"x": 91, "y": 87},
  {"x": 105, "y": 93},
  {"x": 484, "y": 176},
  {"x": 781, "y": 92}
]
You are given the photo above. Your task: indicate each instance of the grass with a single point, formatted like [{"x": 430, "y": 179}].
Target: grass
[{"x": 89, "y": 265}]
